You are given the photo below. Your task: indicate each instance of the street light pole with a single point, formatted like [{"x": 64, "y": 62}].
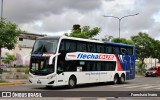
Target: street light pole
[
  {"x": 1, "y": 10},
  {"x": 119, "y": 19}
]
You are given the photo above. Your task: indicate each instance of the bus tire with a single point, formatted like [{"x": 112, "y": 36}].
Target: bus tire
[
  {"x": 115, "y": 81},
  {"x": 72, "y": 82},
  {"x": 122, "y": 79}
]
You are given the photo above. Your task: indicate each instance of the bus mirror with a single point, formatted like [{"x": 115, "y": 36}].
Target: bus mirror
[
  {"x": 123, "y": 51},
  {"x": 52, "y": 57}
]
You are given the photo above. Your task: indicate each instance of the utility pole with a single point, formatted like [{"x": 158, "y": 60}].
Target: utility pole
[{"x": 119, "y": 19}]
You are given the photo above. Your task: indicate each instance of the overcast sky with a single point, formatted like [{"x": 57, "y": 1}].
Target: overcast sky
[{"x": 56, "y": 17}]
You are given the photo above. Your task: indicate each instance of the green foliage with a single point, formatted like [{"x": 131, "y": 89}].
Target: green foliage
[
  {"x": 8, "y": 34},
  {"x": 84, "y": 32},
  {"x": 27, "y": 71},
  {"x": 10, "y": 58},
  {"x": 3, "y": 81},
  {"x": 144, "y": 45},
  {"x": 141, "y": 68},
  {"x": 123, "y": 40}
]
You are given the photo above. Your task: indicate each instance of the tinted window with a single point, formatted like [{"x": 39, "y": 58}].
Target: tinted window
[
  {"x": 116, "y": 50},
  {"x": 62, "y": 46},
  {"x": 108, "y": 49},
  {"x": 91, "y": 47},
  {"x": 109, "y": 66},
  {"x": 130, "y": 51},
  {"x": 100, "y": 48},
  {"x": 123, "y": 51},
  {"x": 81, "y": 46}
]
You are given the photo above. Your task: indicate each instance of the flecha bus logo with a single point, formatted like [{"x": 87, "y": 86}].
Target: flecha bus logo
[{"x": 95, "y": 56}]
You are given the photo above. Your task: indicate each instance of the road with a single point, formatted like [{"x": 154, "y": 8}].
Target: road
[{"x": 138, "y": 84}]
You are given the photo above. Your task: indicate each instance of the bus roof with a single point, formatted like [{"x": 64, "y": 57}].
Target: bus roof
[
  {"x": 118, "y": 44},
  {"x": 87, "y": 40}
]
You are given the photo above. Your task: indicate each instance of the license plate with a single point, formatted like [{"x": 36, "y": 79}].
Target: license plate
[{"x": 38, "y": 82}]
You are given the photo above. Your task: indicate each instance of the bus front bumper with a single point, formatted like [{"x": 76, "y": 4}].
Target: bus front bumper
[{"x": 41, "y": 81}]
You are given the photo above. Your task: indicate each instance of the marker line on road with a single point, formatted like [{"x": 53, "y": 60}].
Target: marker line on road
[
  {"x": 148, "y": 87},
  {"x": 129, "y": 87},
  {"x": 125, "y": 85}
]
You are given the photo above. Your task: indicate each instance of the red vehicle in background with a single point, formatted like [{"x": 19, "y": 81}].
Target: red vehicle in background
[{"x": 153, "y": 71}]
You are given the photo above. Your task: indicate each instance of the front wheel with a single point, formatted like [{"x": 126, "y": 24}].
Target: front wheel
[{"x": 72, "y": 82}]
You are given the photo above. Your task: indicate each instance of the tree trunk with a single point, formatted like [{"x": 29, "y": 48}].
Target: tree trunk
[{"x": 142, "y": 70}]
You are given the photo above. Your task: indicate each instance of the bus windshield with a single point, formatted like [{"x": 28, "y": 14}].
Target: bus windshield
[
  {"x": 45, "y": 46},
  {"x": 40, "y": 66}
]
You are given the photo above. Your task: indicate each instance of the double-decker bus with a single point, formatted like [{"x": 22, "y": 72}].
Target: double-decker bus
[{"x": 57, "y": 61}]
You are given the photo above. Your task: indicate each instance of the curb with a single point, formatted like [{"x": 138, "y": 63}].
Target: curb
[{"x": 11, "y": 83}]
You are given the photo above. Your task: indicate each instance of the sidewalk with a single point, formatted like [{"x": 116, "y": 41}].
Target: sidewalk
[
  {"x": 139, "y": 75},
  {"x": 14, "y": 82}
]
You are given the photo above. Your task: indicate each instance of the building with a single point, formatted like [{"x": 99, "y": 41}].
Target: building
[{"x": 23, "y": 48}]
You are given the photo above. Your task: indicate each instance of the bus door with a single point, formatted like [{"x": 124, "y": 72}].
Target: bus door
[{"x": 60, "y": 71}]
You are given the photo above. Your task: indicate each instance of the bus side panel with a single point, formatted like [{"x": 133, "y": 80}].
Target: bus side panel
[
  {"x": 107, "y": 76},
  {"x": 82, "y": 77},
  {"x": 128, "y": 65}
]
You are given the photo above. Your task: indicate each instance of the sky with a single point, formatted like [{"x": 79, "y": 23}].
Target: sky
[{"x": 56, "y": 17}]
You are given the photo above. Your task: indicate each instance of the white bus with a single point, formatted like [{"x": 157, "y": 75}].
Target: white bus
[{"x": 58, "y": 61}]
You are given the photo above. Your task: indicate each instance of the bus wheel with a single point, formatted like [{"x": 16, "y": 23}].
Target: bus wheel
[
  {"x": 115, "y": 81},
  {"x": 72, "y": 82},
  {"x": 122, "y": 79}
]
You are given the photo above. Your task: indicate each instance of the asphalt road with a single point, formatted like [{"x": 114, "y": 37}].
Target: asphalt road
[{"x": 138, "y": 84}]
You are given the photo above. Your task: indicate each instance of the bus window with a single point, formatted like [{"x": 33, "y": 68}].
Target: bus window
[
  {"x": 100, "y": 48},
  {"x": 81, "y": 46},
  {"x": 70, "y": 66},
  {"x": 70, "y": 46},
  {"x": 130, "y": 51},
  {"x": 115, "y": 50},
  {"x": 91, "y": 47},
  {"x": 110, "y": 66},
  {"x": 108, "y": 49},
  {"x": 99, "y": 66},
  {"x": 123, "y": 51},
  {"x": 62, "y": 46},
  {"x": 93, "y": 66}
]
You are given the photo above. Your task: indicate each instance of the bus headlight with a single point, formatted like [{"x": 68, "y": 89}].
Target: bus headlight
[{"x": 50, "y": 77}]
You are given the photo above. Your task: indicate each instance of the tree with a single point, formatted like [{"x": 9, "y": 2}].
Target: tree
[
  {"x": 123, "y": 40},
  {"x": 156, "y": 53},
  {"x": 85, "y": 32},
  {"x": 10, "y": 58},
  {"x": 8, "y": 35},
  {"x": 144, "y": 47}
]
